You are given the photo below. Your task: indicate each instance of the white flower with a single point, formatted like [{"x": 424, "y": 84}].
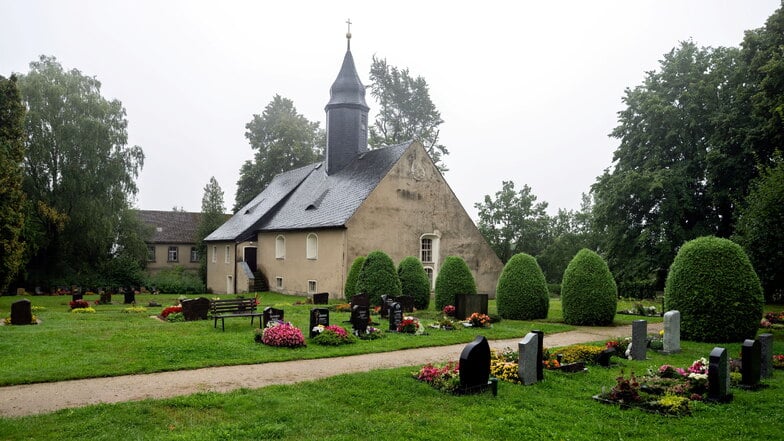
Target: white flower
[{"x": 698, "y": 376}]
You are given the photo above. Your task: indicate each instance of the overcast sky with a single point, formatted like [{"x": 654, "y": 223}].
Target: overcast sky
[{"x": 528, "y": 91}]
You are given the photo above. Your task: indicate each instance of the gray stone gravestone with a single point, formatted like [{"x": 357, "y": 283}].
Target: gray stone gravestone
[
  {"x": 21, "y": 312},
  {"x": 529, "y": 360},
  {"x": 475, "y": 366},
  {"x": 539, "y": 354},
  {"x": 407, "y": 302},
  {"x": 318, "y": 316},
  {"x": 719, "y": 376},
  {"x": 639, "y": 339},
  {"x": 360, "y": 316},
  {"x": 750, "y": 355},
  {"x": 195, "y": 309},
  {"x": 270, "y": 314},
  {"x": 321, "y": 298},
  {"x": 672, "y": 332},
  {"x": 395, "y": 316},
  {"x": 467, "y": 304},
  {"x": 766, "y": 355}
]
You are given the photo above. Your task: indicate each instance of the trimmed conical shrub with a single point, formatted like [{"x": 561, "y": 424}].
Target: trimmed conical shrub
[
  {"x": 414, "y": 281},
  {"x": 713, "y": 285},
  {"x": 589, "y": 295},
  {"x": 454, "y": 278},
  {"x": 521, "y": 293},
  {"x": 351, "y": 280},
  {"x": 378, "y": 277}
]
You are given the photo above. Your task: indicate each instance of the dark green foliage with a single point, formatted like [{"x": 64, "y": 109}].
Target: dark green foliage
[
  {"x": 716, "y": 290},
  {"x": 521, "y": 293},
  {"x": 378, "y": 277},
  {"x": 414, "y": 281},
  {"x": 589, "y": 295},
  {"x": 454, "y": 278},
  {"x": 12, "y": 198},
  {"x": 353, "y": 274},
  {"x": 212, "y": 217},
  {"x": 176, "y": 281}
]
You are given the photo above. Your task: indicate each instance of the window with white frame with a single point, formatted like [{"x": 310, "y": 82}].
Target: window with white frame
[
  {"x": 173, "y": 254},
  {"x": 311, "y": 286},
  {"x": 214, "y": 254},
  {"x": 279, "y": 282},
  {"x": 426, "y": 252},
  {"x": 429, "y": 272},
  {"x": 227, "y": 257},
  {"x": 312, "y": 246},
  {"x": 194, "y": 254},
  {"x": 280, "y": 247}
]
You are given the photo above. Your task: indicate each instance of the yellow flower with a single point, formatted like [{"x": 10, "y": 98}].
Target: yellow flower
[{"x": 661, "y": 333}]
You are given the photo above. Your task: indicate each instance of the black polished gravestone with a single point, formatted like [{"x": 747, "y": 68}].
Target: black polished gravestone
[
  {"x": 719, "y": 376},
  {"x": 22, "y": 312},
  {"x": 751, "y": 359},
  {"x": 395, "y": 316},
  {"x": 361, "y": 300},
  {"x": 130, "y": 296},
  {"x": 407, "y": 302},
  {"x": 360, "y": 316},
  {"x": 270, "y": 314},
  {"x": 467, "y": 304},
  {"x": 605, "y": 356},
  {"x": 321, "y": 298},
  {"x": 77, "y": 296},
  {"x": 318, "y": 316},
  {"x": 195, "y": 309},
  {"x": 385, "y": 302},
  {"x": 475, "y": 367}
]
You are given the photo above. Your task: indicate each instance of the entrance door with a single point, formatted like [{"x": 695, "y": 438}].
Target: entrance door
[{"x": 249, "y": 255}]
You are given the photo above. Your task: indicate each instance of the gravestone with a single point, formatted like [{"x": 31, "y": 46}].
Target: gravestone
[
  {"x": 395, "y": 316},
  {"x": 672, "y": 332},
  {"x": 529, "y": 359},
  {"x": 719, "y": 376},
  {"x": 22, "y": 312},
  {"x": 750, "y": 368},
  {"x": 385, "y": 302},
  {"x": 475, "y": 366},
  {"x": 766, "y": 355},
  {"x": 195, "y": 309},
  {"x": 270, "y": 314},
  {"x": 639, "y": 339},
  {"x": 360, "y": 316},
  {"x": 407, "y": 302},
  {"x": 361, "y": 300},
  {"x": 539, "y": 354},
  {"x": 130, "y": 297},
  {"x": 318, "y": 316},
  {"x": 605, "y": 356},
  {"x": 77, "y": 296},
  {"x": 467, "y": 304},
  {"x": 321, "y": 298}
]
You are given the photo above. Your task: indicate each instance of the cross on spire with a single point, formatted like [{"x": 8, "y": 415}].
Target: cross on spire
[{"x": 348, "y": 34}]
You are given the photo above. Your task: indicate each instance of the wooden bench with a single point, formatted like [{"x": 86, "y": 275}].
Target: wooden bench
[{"x": 227, "y": 308}]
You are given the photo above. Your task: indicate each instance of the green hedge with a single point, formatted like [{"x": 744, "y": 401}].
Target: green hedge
[
  {"x": 176, "y": 281},
  {"x": 351, "y": 280},
  {"x": 454, "y": 277},
  {"x": 716, "y": 290},
  {"x": 414, "y": 281},
  {"x": 589, "y": 295},
  {"x": 378, "y": 277},
  {"x": 521, "y": 293}
]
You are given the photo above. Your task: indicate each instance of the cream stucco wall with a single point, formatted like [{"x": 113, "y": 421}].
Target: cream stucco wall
[
  {"x": 162, "y": 258},
  {"x": 221, "y": 267}
]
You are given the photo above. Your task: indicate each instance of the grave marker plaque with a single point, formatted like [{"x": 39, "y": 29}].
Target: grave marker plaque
[
  {"x": 395, "y": 316},
  {"x": 270, "y": 314},
  {"x": 750, "y": 355},
  {"x": 467, "y": 304},
  {"x": 639, "y": 339},
  {"x": 361, "y": 300},
  {"x": 407, "y": 302},
  {"x": 318, "y": 316},
  {"x": 475, "y": 366},
  {"x": 529, "y": 360},
  {"x": 22, "y": 312},
  {"x": 672, "y": 332},
  {"x": 130, "y": 297},
  {"x": 195, "y": 309},
  {"x": 605, "y": 356},
  {"x": 766, "y": 355},
  {"x": 719, "y": 376},
  {"x": 360, "y": 316},
  {"x": 321, "y": 298}
]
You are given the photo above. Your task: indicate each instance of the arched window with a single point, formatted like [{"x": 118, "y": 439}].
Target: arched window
[
  {"x": 280, "y": 247},
  {"x": 312, "y": 246}
]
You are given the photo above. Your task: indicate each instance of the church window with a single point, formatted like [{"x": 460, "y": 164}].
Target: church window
[
  {"x": 312, "y": 246},
  {"x": 427, "y": 249},
  {"x": 280, "y": 247},
  {"x": 429, "y": 272}
]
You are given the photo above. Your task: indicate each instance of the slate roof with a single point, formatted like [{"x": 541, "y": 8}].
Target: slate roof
[
  {"x": 171, "y": 226},
  {"x": 307, "y": 197}
]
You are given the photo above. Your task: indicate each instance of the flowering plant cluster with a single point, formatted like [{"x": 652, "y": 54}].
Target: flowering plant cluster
[
  {"x": 620, "y": 345},
  {"x": 410, "y": 325},
  {"x": 281, "y": 334},
  {"x": 75, "y": 304},
  {"x": 449, "y": 310},
  {"x": 478, "y": 320},
  {"x": 372, "y": 333},
  {"x": 775, "y": 317},
  {"x": 778, "y": 361},
  {"x": 87, "y": 310},
  {"x": 638, "y": 392},
  {"x": 170, "y": 309},
  {"x": 332, "y": 335},
  {"x": 445, "y": 378},
  {"x": 135, "y": 310}
]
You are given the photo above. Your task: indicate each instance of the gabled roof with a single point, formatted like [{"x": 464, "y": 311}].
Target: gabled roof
[
  {"x": 307, "y": 197},
  {"x": 171, "y": 226}
]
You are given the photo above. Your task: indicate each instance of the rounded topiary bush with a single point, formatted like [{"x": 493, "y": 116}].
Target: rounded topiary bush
[
  {"x": 414, "y": 281},
  {"x": 521, "y": 293},
  {"x": 589, "y": 295},
  {"x": 351, "y": 280},
  {"x": 713, "y": 285},
  {"x": 454, "y": 278},
  {"x": 378, "y": 277}
]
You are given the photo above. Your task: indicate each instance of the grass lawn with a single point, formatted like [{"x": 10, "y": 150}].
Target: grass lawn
[{"x": 390, "y": 405}]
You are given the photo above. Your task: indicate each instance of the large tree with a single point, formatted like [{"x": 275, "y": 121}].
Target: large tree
[
  {"x": 405, "y": 110},
  {"x": 79, "y": 173},
  {"x": 212, "y": 217},
  {"x": 513, "y": 222},
  {"x": 12, "y": 198},
  {"x": 282, "y": 140}
]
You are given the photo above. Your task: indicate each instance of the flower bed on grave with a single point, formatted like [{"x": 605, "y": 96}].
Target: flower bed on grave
[
  {"x": 173, "y": 314},
  {"x": 333, "y": 335},
  {"x": 774, "y": 320},
  {"x": 280, "y": 334},
  {"x": 445, "y": 378}
]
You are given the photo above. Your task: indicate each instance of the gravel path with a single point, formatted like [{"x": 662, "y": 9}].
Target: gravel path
[{"x": 31, "y": 399}]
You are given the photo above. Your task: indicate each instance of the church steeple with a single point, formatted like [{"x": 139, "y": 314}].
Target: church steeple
[{"x": 347, "y": 115}]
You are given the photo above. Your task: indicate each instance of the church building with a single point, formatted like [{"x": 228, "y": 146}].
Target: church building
[{"x": 306, "y": 228}]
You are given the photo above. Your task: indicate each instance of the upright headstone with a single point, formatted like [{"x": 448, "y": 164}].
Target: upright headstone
[
  {"x": 467, "y": 304},
  {"x": 360, "y": 316},
  {"x": 639, "y": 339},
  {"x": 750, "y": 355},
  {"x": 77, "y": 296},
  {"x": 719, "y": 376},
  {"x": 21, "y": 312},
  {"x": 672, "y": 332},
  {"x": 539, "y": 354},
  {"x": 529, "y": 360},
  {"x": 269, "y": 313},
  {"x": 385, "y": 302},
  {"x": 395, "y": 316},
  {"x": 605, "y": 356},
  {"x": 195, "y": 309},
  {"x": 321, "y": 298},
  {"x": 766, "y": 355},
  {"x": 106, "y": 298},
  {"x": 318, "y": 316},
  {"x": 407, "y": 302},
  {"x": 361, "y": 299},
  {"x": 130, "y": 296},
  {"x": 475, "y": 366}
]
